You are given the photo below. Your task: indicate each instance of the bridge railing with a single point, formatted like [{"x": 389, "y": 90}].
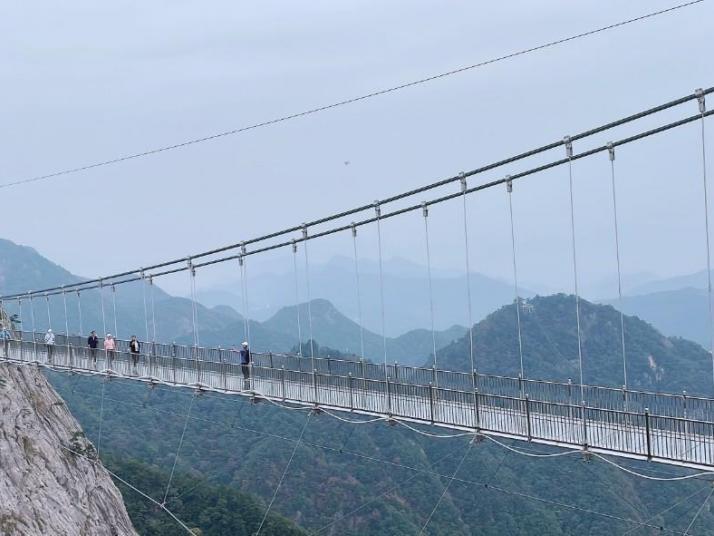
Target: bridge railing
[
  {"x": 211, "y": 359},
  {"x": 644, "y": 432}
]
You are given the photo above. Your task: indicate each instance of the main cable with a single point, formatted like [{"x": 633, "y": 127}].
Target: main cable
[{"x": 344, "y": 102}]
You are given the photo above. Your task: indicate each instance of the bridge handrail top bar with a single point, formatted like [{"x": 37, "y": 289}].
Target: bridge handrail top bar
[
  {"x": 430, "y": 370},
  {"x": 142, "y": 271}
]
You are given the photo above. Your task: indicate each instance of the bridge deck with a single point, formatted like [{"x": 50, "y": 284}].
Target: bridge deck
[{"x": 633, "y": 432}]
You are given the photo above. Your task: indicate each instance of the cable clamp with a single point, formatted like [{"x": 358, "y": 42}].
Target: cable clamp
[
  {"x": 377, "y": 209},
  {"x": 189, "y": 263},
  {"x": 509, "y": 184},
  {"x": 304, "y": 231},
  {"x": 425, "y": 209},
  {"x": 294, "y": 246},
  {"x": 464, "y": 185},
  {"x": 353, "y": 225},
  {"x": 240, "y": 259},
  {"x": 242, "y": 248},
  {"x": 701, "y": 99},
  {"x": 568, "y": 146},
  {"x": 611, "y": 151}
]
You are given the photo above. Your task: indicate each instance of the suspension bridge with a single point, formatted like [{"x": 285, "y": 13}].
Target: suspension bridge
[{"x": 672, "y": 428}]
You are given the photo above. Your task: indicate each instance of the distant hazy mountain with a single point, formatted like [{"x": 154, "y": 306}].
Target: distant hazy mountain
[
  {"x": 405, "y": 294},
  {"x": 550, "y": 348},
  {"x": 23, "y": 269},
  {"x": 682, "y": 313},
  {"x": 695, "y": 280}
]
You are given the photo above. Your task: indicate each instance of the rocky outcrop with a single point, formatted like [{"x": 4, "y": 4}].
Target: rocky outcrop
[{"x": 50, "y": 480}]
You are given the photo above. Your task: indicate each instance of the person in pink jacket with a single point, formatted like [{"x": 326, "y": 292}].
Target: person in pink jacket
[{"x": 110, "y": 346}]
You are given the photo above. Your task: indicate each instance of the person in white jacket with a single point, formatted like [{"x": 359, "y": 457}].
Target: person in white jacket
[{"x": 50, "y": 342}]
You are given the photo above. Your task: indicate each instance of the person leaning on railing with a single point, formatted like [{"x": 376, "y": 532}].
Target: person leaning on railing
[{"x": 109, "y": 347}]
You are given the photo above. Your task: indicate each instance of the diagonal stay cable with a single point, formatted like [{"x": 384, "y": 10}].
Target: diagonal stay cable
[
  {"x": 344, "y": 102},
  {"x": 699, "y": 511},
  {"x": 231, "y": 429},
  {"x": 178, "y": 450},
  {"x": 446, "y": 488},
  {"x": 285, "y": 472},
  {"x": 668, "y": 509}
]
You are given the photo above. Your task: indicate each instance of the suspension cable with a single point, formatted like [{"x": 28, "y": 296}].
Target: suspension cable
[
  {"x": 91, "y": 284},
  {"x": 285, "y": 472},
  {"x": 611, "y": 153},
  {"x": 244, "y": 301},
  {"x": 34, "y": 328},
  {"x": 104, "y": 316},
  {"x": 569, "y": 154},
  {"x": 49, "y": 314},
  {"x": 425, "y": 213},
  {"x": 101, "y": 416},
  {"x": 297, "y": 298},
  {"x": 691, "y": 524},
  {"x": 446, "y": 488},
  {"x": 702, "y": 110},
  {"x": 194, "y": 313},
  {"x": 517, "y": 298},
  {"x": 309, "y": 298},
  {"x": 359, "y": 294},
  {"x": 464, "y": 188},
  {"x": 153, "y": 313},
  {"x": 79, "y": 311},
  {"x": 178, "y": 450},
  {"x": 146, "y": 309},
  {"x": 114, "y": 308},
  {"x": 66, "y": 318},
  {"x": 378, "y": 213}
]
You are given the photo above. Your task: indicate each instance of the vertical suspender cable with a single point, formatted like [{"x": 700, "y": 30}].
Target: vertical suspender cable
[
  {"x": 146, "y": 310},
  {"x": 569, "y": 153},
  {"x": 611, "y": 152},
  {"x": 245, "y": 294},
  {"x": 34, "y": 327},
  {"x": 153, "y": 314},
  {"x": 49, "y": 315},
  {"x": 66, "y": 317},
  {"x": 359, "y": 295},
  {"x": 702, "y": 110},
  {"x": 101, "y": 302},
  {"x": 297, "y": 298},
  {"x": 79, "y": 311},
  {"x": 194, "y": 312},
  {"x": 307, "y": 287},
  {"x": 425, "y": 213},
  {"x": 517, "y": 298},
  {"x": 464, "y": 187},
  {"x": 114, "y": 309},
  {"x": 22, "y": 327},
  {"x": 378, "y": 212},
  {"x": 244, "y": 304}
]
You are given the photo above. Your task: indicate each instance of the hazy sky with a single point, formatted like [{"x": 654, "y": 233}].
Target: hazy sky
[{"x": 88, "y": 81}]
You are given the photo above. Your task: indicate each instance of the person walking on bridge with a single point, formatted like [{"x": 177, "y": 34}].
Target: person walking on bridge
[
  {"x": 245, "y": 365},
  {"x": 93, "y": 343},
  {"x": 5, "y": 337},
  {"x": 135, "y": 350},
  {"x": 50, "y": 343}
]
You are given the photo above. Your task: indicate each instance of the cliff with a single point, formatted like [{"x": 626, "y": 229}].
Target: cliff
[{"x": 46, "y": 489}]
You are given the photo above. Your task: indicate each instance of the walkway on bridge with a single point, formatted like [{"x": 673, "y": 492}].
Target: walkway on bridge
[{"x": 673, "y": 429}]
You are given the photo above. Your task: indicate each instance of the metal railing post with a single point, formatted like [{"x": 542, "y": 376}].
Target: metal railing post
[
  {"x": 520, "y": 385},
  {"x": 396, "y": 371},
  {"x": 270, "y": 359},
  {"x": 570, "y": 399},
  {"x": 329, "y": 366},
  {"x": 477, "y": 415},
  {"x": 389, "y": 399},
  {"x": 528, "y": 417},
  {"x": 361, "y": 367},
  {"x": 314, "y": 384},
  {"x": 351, "y": 381},
  {"x": 224, "y": 366},
  {"x": 173, "y": 360},
  {"x": 282, "y": 381},
  {"x": 585, "y": 426},
  {"x": 647, "y": 431},
  {"x": 431, "y": 402}
]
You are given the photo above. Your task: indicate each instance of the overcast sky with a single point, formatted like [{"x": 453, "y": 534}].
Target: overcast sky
[{"x": 88, "y": 81}]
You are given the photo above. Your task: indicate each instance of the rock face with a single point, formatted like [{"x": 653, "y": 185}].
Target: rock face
[{"x": 44, "y": 488}]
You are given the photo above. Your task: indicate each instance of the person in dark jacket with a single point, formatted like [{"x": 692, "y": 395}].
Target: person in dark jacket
[
  {"x": 134, "y": 349},
  {"x": 245, "y": 365},
  {"x": 93, "y": 343}
]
